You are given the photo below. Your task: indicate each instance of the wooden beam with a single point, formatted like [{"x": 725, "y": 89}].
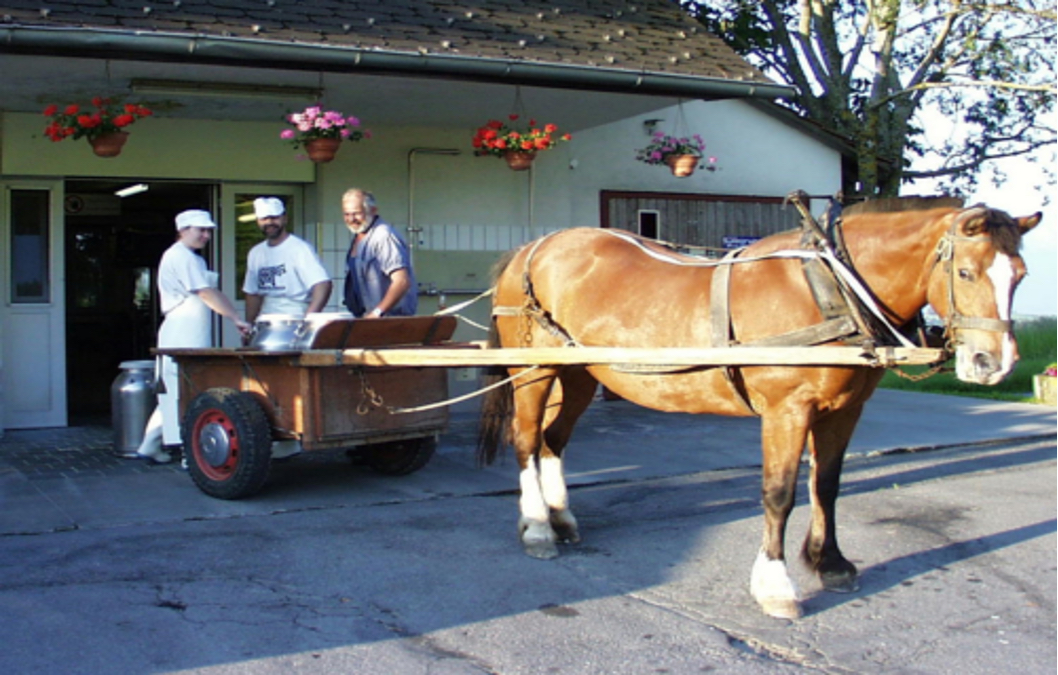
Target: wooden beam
[{"x": 640, "y": 359}]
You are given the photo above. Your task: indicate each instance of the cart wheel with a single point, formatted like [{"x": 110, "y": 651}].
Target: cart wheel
[
  {"x": 399, "y": 458},
  {"x": 228, "y": 443}
]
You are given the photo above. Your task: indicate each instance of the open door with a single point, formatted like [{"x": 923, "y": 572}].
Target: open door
[{"x": 32, "y": 309}]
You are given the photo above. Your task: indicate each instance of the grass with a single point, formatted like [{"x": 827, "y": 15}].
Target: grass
[{"x": 1036, "y": 343}]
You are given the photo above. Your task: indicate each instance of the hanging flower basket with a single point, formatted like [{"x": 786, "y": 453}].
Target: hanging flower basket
[
  {"x": 109, "y": 145},
  {"x": 104, "y": 128},
  {"x": 322, "y": 132},
  {"x": 682, "y": 165},
  {"x": 518, "y": 147},
  {"x": 322, "y": 150},
  {"x": 681, "y": 154},
  {"x": 519, "y": 161}
]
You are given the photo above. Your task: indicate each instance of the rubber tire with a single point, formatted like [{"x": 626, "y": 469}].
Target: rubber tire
[
  {"x": 245, "y": 426},
  {"x": 399, "y": 458}
]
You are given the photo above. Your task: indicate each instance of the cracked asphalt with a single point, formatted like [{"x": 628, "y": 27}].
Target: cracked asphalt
[{"x": 948, "y": 509}]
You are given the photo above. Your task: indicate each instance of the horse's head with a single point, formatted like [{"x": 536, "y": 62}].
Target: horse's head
[{"x": 976, "y": 270}]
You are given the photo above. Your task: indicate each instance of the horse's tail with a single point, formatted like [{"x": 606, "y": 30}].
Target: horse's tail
[
  {"x": 497, "y": 407},
  {"x": 496, "y": 410}
]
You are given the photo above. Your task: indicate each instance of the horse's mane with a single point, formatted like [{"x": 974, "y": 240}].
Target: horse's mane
[
  {"x": 500, "y": 265},
  {"x": 1006, "y": 236},
  {"x": 896, "y": 204}
]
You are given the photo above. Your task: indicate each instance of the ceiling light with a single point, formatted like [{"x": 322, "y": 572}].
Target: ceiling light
[
  {"x": 224, "y": 89},
  {"x": 132, "y": 190}
]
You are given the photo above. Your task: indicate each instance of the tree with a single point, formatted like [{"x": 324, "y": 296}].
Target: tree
[{"x": 919, "y": 88}]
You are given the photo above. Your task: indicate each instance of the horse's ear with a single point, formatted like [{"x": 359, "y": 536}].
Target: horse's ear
[
  {"x": 1026, "y": 223},
  {"x": 972, "y": 221}
]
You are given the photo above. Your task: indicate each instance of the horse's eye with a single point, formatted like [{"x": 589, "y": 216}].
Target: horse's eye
[{"x": 966, "y": 275}]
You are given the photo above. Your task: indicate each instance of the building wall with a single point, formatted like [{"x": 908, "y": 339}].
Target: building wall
[{"x": 465, "y": 210}]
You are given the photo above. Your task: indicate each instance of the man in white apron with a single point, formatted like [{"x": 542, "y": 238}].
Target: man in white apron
[
  {"x": 283, "y": 273},
  {"x": 188, "y": 293}
]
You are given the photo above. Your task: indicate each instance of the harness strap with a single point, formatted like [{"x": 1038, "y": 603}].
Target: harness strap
[{"x": 721, "y": 334}]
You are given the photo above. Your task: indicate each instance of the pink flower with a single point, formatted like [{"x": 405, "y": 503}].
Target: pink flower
[{"x": 287, "y": 134}]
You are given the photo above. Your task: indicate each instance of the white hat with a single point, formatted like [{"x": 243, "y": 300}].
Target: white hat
[
  {"x": 268, "y": 207},
  {"x": 194, "y": 218}
]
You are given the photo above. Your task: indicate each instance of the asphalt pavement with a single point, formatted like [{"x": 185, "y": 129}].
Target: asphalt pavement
[{"x": 948, "y": 508}]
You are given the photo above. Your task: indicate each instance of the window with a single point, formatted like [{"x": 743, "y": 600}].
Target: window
[
  {"x": 30, "y": 220},
  {"x": 649, "y": 224}
]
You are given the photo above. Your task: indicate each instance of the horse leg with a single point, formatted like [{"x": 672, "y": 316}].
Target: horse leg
[
  {"x": 783, "y": 436},
  {"x": 827, "y": 441},
  {"x": 534, "y": 523},
  {"x": 569, "y": 400}
]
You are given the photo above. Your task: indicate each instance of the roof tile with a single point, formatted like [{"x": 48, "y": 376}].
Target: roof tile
[{"x": 652, "y": 35}]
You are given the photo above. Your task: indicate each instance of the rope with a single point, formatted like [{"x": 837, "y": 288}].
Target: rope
[
  {"x": 459, "y": 399},
  {"x": 456, "y": 308}
]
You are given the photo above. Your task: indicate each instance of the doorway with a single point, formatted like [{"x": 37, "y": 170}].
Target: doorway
[{"x": 115, "y": 234}]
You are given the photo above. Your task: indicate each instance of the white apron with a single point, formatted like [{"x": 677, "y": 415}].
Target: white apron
[
  {"x": 277, "y": 304},
  {"x": 188, "y": 325}
]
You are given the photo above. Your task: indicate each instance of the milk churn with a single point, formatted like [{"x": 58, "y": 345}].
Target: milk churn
[{"x": 132, "y": 400}]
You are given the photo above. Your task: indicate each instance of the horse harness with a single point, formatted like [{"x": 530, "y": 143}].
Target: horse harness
[{"x": 849, "y": 311}]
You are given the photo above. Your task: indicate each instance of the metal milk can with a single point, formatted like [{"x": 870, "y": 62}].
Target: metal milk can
[{"x": 132, "y": 400}]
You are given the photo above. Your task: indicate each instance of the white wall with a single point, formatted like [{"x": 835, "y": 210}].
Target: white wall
[{"x": 756, "y": 155}]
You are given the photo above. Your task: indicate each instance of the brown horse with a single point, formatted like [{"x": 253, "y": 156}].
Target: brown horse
[{"x": 593, "y": 287}]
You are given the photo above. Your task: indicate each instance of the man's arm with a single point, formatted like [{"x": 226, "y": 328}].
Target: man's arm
[
  {"x": 321, "y": 293},
  {"x": 253, "y": 306},
  {"x": 400, "y": 282},
  {"x": 220, "y": 304}
]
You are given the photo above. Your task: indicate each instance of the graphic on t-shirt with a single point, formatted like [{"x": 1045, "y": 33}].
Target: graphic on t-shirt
[{"x": 268, "y": 277}]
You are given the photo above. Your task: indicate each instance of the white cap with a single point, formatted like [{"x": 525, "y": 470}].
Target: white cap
[
  {"x": 194, "y": 218},
  {"x": 268, "y": 207}
]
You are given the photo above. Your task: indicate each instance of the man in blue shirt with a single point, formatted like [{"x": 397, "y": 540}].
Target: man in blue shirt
[{"x": 379, "y": 280}]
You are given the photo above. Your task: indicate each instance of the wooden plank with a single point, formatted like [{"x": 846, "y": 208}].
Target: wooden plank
[{"x": 472, "y": 355}]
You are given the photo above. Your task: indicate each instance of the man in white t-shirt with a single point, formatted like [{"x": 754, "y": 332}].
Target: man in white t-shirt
[{"x": 283, "y": 273}]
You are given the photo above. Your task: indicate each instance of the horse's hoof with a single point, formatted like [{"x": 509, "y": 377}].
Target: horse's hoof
[
  {"x": 567, "y": 535},
  {"x": 541, "y": 550},
  {"x": 840, "y": 583},
  {"x": 781, "y": 608}
]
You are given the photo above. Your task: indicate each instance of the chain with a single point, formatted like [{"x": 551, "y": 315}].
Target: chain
[
  {"x": 369, "y": 398},
  {"x": 939, "y": 368}
]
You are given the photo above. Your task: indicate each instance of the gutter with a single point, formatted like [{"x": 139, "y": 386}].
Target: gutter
[{"x": 175, "y": 47}]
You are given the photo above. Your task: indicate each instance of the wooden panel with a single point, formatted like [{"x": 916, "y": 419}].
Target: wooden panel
[
  {"x": 397, "y": 330},
  {"x": 345, "y": 416}
]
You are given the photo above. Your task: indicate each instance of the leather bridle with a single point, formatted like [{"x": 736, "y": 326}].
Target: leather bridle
[{"x": 945, "y": 256}]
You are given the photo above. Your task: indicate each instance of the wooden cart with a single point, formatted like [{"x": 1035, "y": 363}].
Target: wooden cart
[
  {"x": 235, "y": 403},
  {"x": 342, "y": 390}
]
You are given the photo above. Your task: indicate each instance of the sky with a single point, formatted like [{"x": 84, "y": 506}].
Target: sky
[{"x": 1038, "y": 293}]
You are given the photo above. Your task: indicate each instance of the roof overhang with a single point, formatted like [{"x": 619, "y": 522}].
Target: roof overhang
[{"x": 261, "y": 53}]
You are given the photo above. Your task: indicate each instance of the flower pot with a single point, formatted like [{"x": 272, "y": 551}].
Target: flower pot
[
  {"x": 109, "y": 145},
  {"x": 519, "y": 161},
  {"x": 682, "y": 165},
  {"x": 1044, "y": 389},
  {"x": 322, "y": 150}
]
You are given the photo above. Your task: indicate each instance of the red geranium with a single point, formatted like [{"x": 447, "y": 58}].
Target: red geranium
[
  {"x": 496, "y": 138},
  {"x": 107, "y": 118}
]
